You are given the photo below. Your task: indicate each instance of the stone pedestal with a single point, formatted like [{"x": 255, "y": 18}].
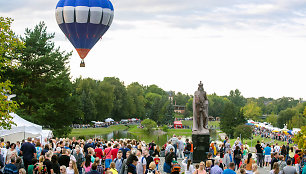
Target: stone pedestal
[{"x": 200, "y": 147}]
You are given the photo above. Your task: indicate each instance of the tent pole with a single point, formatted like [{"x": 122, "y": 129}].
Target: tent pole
[{"x": 24, "y": 133}]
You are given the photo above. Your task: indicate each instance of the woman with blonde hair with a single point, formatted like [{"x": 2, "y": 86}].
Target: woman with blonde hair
[
  {"x": 72, "y": 169},
  {"x": 201, "y": 169},
  {"x": 151, "y": 169},
  {"x": 255, "y": 169},
  {"x": 208, "y": 165}
]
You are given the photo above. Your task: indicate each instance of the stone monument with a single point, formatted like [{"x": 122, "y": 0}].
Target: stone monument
[{"x": 200, "y": 132}]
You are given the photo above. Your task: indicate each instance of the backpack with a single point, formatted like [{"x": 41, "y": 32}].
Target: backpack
[{"x": 176, "y": 168}]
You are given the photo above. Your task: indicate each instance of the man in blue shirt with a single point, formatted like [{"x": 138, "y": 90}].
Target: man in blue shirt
[
  {"x": 230, "y": 169},
  {"x": 267, "y": 152},
  {"x": 216, "y": 169}
]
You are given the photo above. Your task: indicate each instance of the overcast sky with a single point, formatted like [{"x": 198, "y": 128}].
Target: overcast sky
[{"x": 256, "y": 46}]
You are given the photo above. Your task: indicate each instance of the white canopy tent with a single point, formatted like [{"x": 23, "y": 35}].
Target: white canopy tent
[
  {"x": 22, "y": 130},
  {"x": 109, "y": 120}
]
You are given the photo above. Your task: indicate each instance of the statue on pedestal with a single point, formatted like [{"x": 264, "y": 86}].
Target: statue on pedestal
[{"x": 200, "y": 111}]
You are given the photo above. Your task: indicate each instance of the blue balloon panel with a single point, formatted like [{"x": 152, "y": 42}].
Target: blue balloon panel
[{"x": 84, "y": 22}]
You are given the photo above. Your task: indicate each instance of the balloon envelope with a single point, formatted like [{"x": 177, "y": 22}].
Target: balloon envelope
[{"x": 84, "y": 22}]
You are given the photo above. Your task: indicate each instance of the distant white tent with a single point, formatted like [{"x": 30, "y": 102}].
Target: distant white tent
[
  {"x": 109, "y": 120},
  {"x": 22, "y": 130}
]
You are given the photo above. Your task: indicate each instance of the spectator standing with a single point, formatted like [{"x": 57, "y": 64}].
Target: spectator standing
[
  {"x": 88, "y": 164},
  {"x": 289, "y": 169},
  {"x": 55, "y": 164},
  {"x": 275, "y": 159},
  {"x": 237, "y": 156},
  {"x": 230, "y": 169},
  {"x": 11, "y": 168},
  {"x": 267, "y": 152},
  {"x": 114, "y": 152},
  {"x": 249, "y": 163},
  {"x": 38, "y": 149},
  {"x": 131, "y": 163},
  {"x": 48, "y": 162},
  {"x": 142, "y": 163},
  {"x": 79, "y": 157},
  {"x": 259, "y": 154},
  {"x": 108, "y": 155},
  {"x": 275, "y": 169},
  {"x": 118, "y": 161},
  {"x": 216, "y": 169},
  {"x": 28, "y": 151},
  {"x": 201, "y": 169},
  {"x": 228, "y": 158},
  {"x": 180, "y": 148},
  {"x": 124, "y": 149},
  {"x": 98, "y": 151},
  {"x": 174, "y": 142},
  {"x": 64, "y": 159},
  {"x": 148, "y": 157}
]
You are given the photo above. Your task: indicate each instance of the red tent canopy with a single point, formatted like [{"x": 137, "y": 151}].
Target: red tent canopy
[{"x": 178, "y": 124}]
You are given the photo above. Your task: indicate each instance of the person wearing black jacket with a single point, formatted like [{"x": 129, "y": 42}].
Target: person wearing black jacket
[
  {"x": 168, "y": 160},
  {"x": 148, "y": 157},
  {"x": 274, "y": 159},
  {"x": 237, "y": 156},
  {"x": 187, "y": 149}
]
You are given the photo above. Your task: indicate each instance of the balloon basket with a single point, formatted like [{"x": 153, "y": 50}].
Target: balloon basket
[{"x": 82, "y": 64}]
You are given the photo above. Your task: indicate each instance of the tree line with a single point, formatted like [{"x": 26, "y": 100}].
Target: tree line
[{"x": 37, "y": 71}]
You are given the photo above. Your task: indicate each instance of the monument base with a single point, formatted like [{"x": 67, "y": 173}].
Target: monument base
[{"x": 200, "y": 147}]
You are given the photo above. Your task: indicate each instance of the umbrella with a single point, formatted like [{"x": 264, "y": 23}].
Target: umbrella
[
  {"x": 290, "y": 132},
  {"x": 275, "y": 131},
  {"x": 251, "y": 124}
]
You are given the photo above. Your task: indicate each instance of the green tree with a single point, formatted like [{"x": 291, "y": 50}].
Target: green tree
[
  {"x": 153, "y": 105},
  {"x": 236, "y": 98},
  {"x": 136, "y": 92},
  {"x": 189, "y": 108},
  {"x": 252, "y": 111},
  {"x": 244, "y": 131},
  {"x": 121, "y": 103},
  {"x": 230, "y": 118},
  {"x": 181, "y": 99},
  {"x": 297, "y": 121},
  {"x": 148, "y": 124},
  {"x": 285, "y": 115},
  {"x": 96, "y": 99},
  {"x": 42, "y": 82},
  {"x": 272, "y": 118},
  {"x": 9, "y": 48},
  {"x": 216, "y": 104},
  {"x": 300, "y": 138}
]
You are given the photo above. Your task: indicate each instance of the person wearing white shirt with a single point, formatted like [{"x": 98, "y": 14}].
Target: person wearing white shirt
[
  {"x": 277, "y": 148},
  {"x": 188, "y": 167}
]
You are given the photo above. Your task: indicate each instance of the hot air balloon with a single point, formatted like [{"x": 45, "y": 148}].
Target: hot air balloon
[{"x": 84, "y": 22}]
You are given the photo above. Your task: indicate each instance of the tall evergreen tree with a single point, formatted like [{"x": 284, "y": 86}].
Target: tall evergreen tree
[{"x": 43, "y": 84}]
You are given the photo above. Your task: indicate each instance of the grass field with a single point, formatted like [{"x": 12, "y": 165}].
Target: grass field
[{"x": 94, "y": 131}]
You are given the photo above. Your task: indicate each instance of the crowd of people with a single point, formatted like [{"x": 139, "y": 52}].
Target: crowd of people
[
  {"x": 97, "y": 156},
  {"x": 276, "y": 135}
]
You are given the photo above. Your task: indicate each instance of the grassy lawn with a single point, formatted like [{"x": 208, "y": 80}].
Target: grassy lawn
[{"x": 94, "y": 131}]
